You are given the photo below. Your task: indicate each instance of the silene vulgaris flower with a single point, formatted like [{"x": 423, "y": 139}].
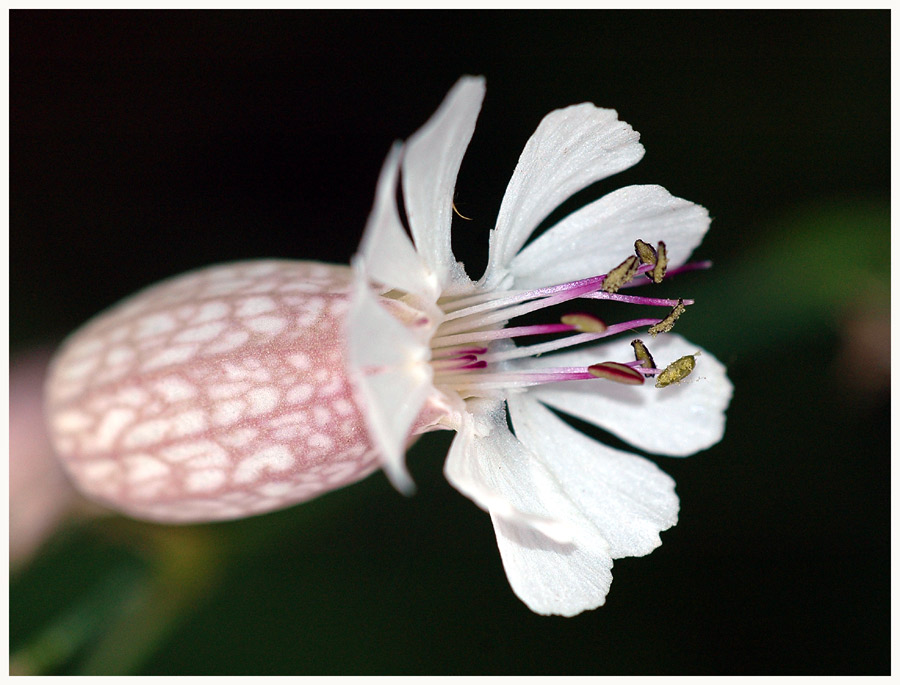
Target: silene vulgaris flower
[{"x": 247, "y": 387}]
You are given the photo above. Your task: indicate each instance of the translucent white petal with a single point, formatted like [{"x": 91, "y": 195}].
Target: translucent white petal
[
  {"x": 535, "y": 490},
  {"x": 389, "y": 254},
  {"x": 389, "y": 367},
  {"x": 627, "y": 498},
  {"x": 599, "y": 236},
  {"x": 678, "y": 420},
  {"x": 394, "y": 399},
  {"x": 552, "y": 577},
  {"x": 431, "y": 161},
  {"x": 571, "y": 148},
  {"x": 497, "y": 473}
]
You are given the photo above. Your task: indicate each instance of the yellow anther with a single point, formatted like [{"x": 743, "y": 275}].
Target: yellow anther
[
  {"x": 620, "y": 373},
  {"x": 619, "y": 276},
  {"x": 662, "y": 260},
  {"x": 676, "y": 372},
  {"x": 642, "y": 354},
  {"x": 666, "y": 324},
  {"x": 584, "y": 323},
  {"x": 645, "y": 252}
]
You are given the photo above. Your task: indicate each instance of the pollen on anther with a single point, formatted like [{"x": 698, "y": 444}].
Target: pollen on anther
[
  {"x": 620, "y": 373},
  {"x": 619, "y": 276},
  {"x": 642, "y": 354},
  {"x": 662, "y": 260},
  {"x": 676, "y": 371},
  {"x": 584, "y": 323},
  {"x": 645, "y": 252},
  {"x": 668, "y": 323}
]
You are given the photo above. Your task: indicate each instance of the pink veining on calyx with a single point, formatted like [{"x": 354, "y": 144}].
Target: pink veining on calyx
[{"x": 214, "y": 395}]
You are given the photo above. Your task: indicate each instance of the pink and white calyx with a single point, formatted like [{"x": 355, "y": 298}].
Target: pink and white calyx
[{"x": 247, "y": 387}]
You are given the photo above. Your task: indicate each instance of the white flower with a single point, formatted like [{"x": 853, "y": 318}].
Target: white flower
[
  {"x": 429, "y": 348},
  {"x": 242, "y": 388}
]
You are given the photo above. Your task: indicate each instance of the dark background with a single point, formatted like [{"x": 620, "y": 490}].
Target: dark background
[{"x": 145, "y": 144}]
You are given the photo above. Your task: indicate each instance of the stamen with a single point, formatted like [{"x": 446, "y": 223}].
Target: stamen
[
  {"x": 639, "y": 366},
  {"x": 620, "y": 373},
  {"x": 454, "y": 304},
  {"x": 464, "y": 358},
  {"x": 645, "y": 252},
  {"x": 541, "y": 348},
  {"x": 662, "y": 260},
  {"x": 621, "y": 275},
  {"x": 586, "y": 287},
  {"x": 447, "y": 375},
  {"x": 475, "y": 304},
  {"x": 501, "y": 333},
  {"x": 517, "y": 379},
  {"x": 642, "y": 354},
  {"x": 585, "y": 323},
  {"x": 454, "y": 363},
  {"x": 676, "y": 371},
  {"x": 690, "y": 266},
  {"x": 668, "y": 323},
  {"x": 634, "y": 299},
  {"x": 560, "y": 295},
  {"x": 445, "y": 352}
]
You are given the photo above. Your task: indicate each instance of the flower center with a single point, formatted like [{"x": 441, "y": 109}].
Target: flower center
[{"x": 472, "y": 349}]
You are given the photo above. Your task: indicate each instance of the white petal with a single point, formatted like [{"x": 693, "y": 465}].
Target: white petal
[
  {"x": 598, "y": 237},
  {"x": 496, "y": 472},
  {"x": 627, "y": 498},
  {"x": 389, "y": 366},
  {"x": 525, "y": 490},
  {"x": 431, "y": 161},
  {"x": 552, "y": 577},
  {"x": 678, "y": 420},
  {"x": 389, "y": 254},
  {"x": 571, "y": 148}
]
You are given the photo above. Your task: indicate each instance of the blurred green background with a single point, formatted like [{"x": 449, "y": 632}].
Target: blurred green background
[{"x": 145, "y": 144}]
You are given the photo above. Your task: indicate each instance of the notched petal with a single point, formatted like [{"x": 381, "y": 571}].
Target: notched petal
[
  {"x": 431, "y": 161},
  {"x": 671, "y": 423},
  {"x": 571, "y": 149},
  {"x": 501, "y": 477},
  {"x": 552, "y": 578},
  {"x": 389, "y": 254},
  {"x": 624, "y": 499},
  {"x": 593, "y": 239}
]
